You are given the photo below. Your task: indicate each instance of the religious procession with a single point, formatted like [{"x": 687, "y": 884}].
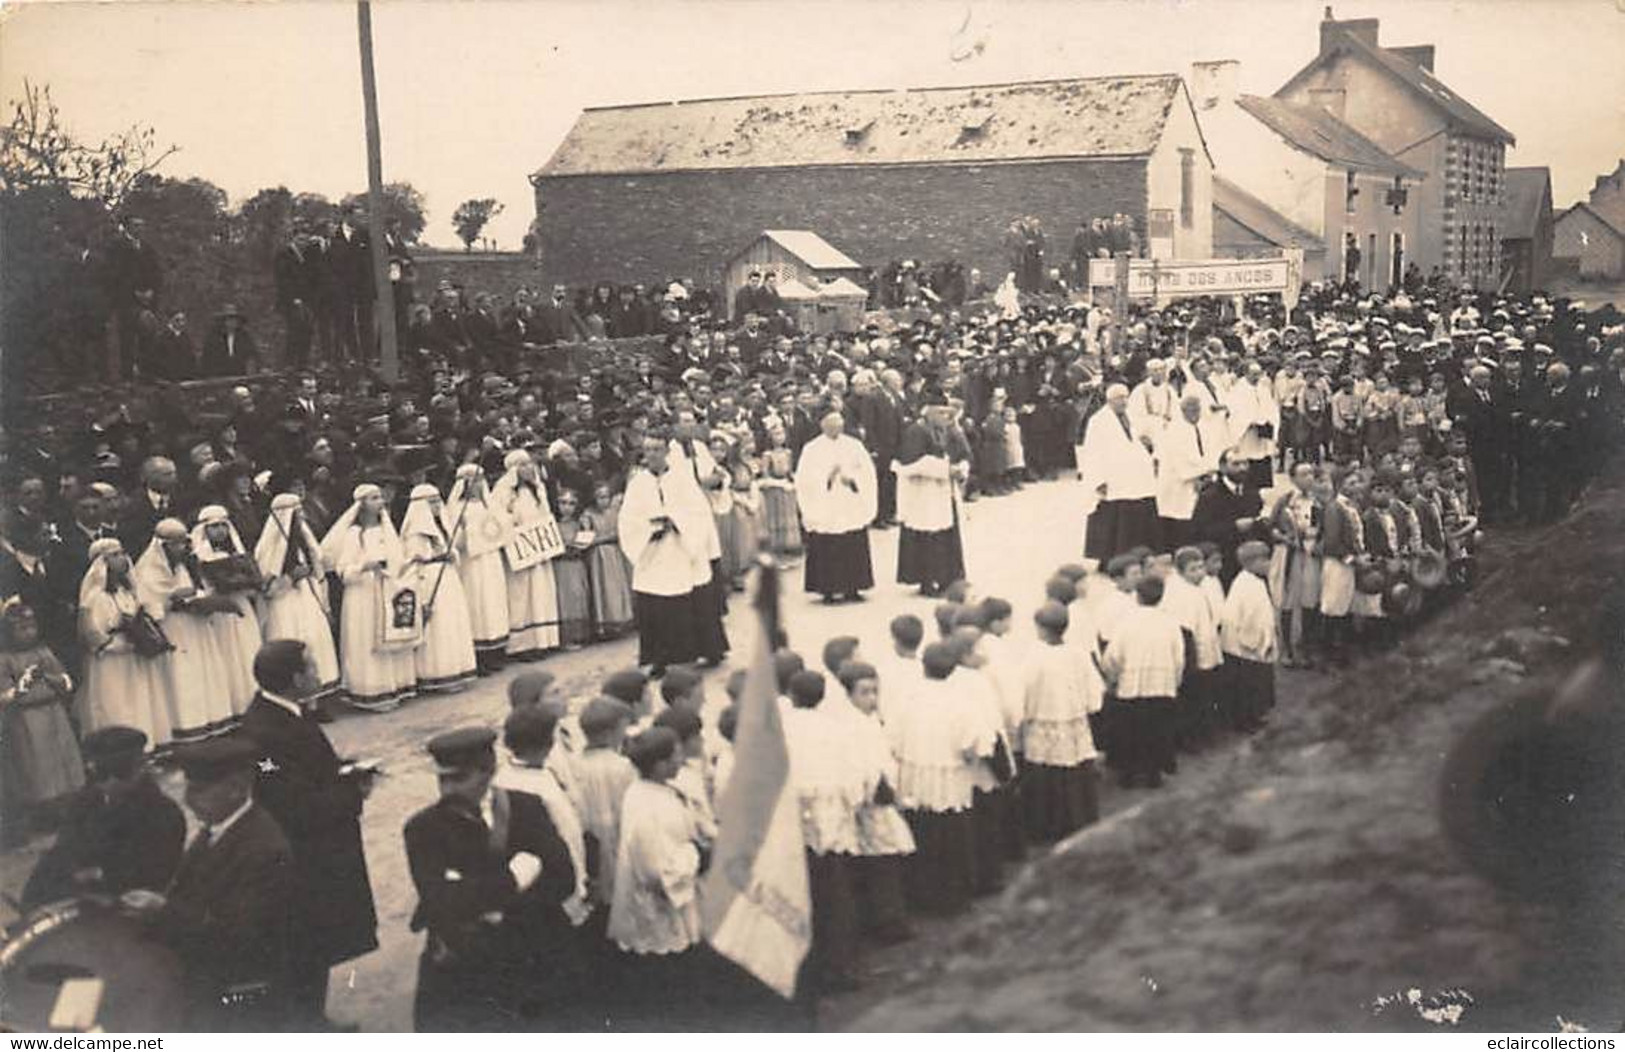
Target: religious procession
[{"x": 664, "y": 653}]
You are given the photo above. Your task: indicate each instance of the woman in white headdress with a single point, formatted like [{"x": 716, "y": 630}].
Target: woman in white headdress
[
  {"x": 166, "y": 581},
  {"x": 478, "y": 532},
  {"x": 365, "y": 551},
  {"x": 533, "y": 604},
  {"x": 445, "y": 659},
  {"x": 215, "y": 539},
  {"x": 122, "y": 687},
  {"x": 295, "y": 606}
]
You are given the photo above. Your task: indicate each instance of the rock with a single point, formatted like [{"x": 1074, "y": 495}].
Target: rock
[
  {"x": 1525, "y": 644},
  {"x": 1498, "y": 668}
]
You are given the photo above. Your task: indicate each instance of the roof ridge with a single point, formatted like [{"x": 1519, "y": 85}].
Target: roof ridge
[{"x": 917, "y": 89}]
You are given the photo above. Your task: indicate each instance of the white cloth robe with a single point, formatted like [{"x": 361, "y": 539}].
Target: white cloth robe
[
  {"x": 120, "y": 687},
  {"x": 1247, "y": 626},
  {"x": 371, "y": 674},
  {"x": 655, "y": 908},
  {"x": 479, "y": 533},
  {"x": 533, "y": 597},
  {"x": 927, "y": 493},
  {"x": 1110, "y": 457},
  {"x": 1252, "y": 406},
  {"x": 678, "y": 562},
  {"x": 834, "y": 507},
  {"x": 1151, "y": 407},
  {"x": 686, "y": 471},
  {"x": 1180, "y": 465},
  {"x": 199, "y": 687},
  {"x": 445, "y": 658},
  {"x": 1061, "y": 686},
  {"x": 296, "y": 610}
]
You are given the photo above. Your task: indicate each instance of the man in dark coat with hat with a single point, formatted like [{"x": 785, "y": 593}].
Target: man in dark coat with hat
[
  {"x": 317, "y": 801},
  {"x": 1229, "y": 511},
  {"x": 119, "y": 832},
  {"x": 492, "y": 875},
  {"x": 231, "y": 350},
  {"x": 227, "y": 914}
]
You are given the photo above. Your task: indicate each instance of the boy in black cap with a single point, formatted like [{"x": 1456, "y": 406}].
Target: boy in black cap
[
  {"x": 492, "y": 874},
  {"x": 120, "y": 831}
]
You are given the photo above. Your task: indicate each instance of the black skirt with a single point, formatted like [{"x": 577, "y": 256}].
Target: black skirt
[
  {"x": 941, "y": 874},
  {"x": 1058, "y": 801},
  {"x": 1118, "y": 525},
  {"x": 669, "y": 627},
  {"x": 838, "y": 563},
  {"x": 930, "y": 558}
]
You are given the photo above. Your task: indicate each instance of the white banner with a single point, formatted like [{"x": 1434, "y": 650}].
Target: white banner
[
  {"x": 534, "y": 544},
  {"x": 1150, "y": 279}
]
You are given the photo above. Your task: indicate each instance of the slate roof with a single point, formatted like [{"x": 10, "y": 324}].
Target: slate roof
[
  {"x": 1420, "y": 81},
  {"x": 1258, "y": 217},
  {"x": 1526, "y": 189},
  {"x": 1086, "y": 117},
  {"x": 1317, "y": 132}
]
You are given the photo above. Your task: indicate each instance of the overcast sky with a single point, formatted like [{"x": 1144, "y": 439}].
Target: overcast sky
[{"x": 474, "y": 96}]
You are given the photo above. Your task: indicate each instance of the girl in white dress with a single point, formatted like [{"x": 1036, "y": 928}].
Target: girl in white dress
[
  {"x": 295, "y": 590},
  {"x": 121, "y": 687},
  {"x": 214, "y": 538},
  {"x": 533, "y": 605},
  {"x": 478, "y": 532},
  {"x": 445, "y": 659},
  {"x": 199, "y": 688},
  {"x": 365, "y": 551}
]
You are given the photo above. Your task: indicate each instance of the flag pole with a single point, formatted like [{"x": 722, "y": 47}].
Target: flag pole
[{"x": 383, "y": 314}]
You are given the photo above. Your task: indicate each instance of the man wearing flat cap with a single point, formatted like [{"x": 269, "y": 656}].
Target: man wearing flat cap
[
  {"x": 120, "y": 831},
  {"x": 492, "y": 875},
  {"x": 227, "y": 912}
]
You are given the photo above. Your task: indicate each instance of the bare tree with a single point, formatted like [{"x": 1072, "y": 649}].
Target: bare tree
[{"x": 37, "y": 150}]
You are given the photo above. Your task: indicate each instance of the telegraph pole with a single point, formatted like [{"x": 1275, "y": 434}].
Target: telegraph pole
[{"x": 383, "y": 314}]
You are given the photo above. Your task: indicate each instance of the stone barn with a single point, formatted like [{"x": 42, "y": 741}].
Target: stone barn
[{"x": 669, "y": 190}]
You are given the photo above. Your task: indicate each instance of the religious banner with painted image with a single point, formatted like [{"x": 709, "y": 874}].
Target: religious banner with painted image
[
  {"x": 400, "y": 614},
  {"x": 533, "y": 544}
]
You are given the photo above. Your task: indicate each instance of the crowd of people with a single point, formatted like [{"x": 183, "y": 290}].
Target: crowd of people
[{"x": 171, "y": 574}]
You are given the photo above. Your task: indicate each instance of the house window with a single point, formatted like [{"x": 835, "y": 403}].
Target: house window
[
  {"x": 1187, "y": 187},
  {"x": 1462, "y": 270},
  {"x": 1350, "y": 192}
]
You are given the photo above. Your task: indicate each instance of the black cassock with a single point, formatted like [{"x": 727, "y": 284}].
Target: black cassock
[{"x": 298, "y": 783}]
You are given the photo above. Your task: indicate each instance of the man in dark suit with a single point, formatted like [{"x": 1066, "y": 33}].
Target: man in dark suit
[
  {"x": 134, "y": 278},
  {"x": 119, "y": 832},
  {"x": 349, "y": 265},
  {"x": 1481, "y": 416},
  {"x": 294, "y": 269},
  {"x": 557, "y": 321},
  {"x": 474, "y": 857},
  {"x": 880, "y": 419},
  {"x": 227, "y": 913},
  {"x": 1228, "y": 512},
  {"x": 317, "y": 801}
]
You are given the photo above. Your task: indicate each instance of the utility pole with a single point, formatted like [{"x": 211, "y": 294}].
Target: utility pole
[{"x": 383, "y": 314}]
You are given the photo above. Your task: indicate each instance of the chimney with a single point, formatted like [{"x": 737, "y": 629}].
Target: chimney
[
  {"x": 1332, "y": 31},
  {"x": 1417, "y": 54},
  {"x": 1213, "y": 83}
]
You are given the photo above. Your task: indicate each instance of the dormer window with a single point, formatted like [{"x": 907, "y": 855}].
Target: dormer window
[
  {"x": 855, "y": 136},
  {"x": 973, "y": 129}
]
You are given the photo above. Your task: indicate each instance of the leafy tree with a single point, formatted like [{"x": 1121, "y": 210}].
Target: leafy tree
[
  {"x": 402, "y": 203},
  {"x": 471, "y": 217}
]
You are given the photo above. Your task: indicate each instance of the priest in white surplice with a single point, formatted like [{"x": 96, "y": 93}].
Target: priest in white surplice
[
  {"x": 837, "y": 493},
  {"x": 1119, "y": 478},
  {"x": 1151, "y": 405},
  {"x": 1254, "y": 420},
  {"x": 663, "y": 531},
  {"x": 1184, "y": 459}
]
